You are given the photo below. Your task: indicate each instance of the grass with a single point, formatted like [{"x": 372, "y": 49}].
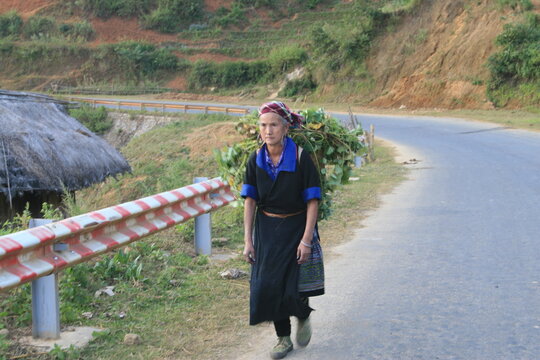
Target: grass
[{"x": 177, "y": 302}]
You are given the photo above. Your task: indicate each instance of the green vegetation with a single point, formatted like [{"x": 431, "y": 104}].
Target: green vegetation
[
  {"x": 174, "y": 15},
  {"x": 174, "y": 300},
  {"x": 521, "y": 5},
  {"x": 227, "y": 74},
  {"x": 10, "y": 24},
  {"x": 95, "y": 119},
  {"x": 43, "y": 28},
  {"x": 515, "y": 69},
  {"x": 108, "y": 8},
  {"x": 333, "y": 148}
]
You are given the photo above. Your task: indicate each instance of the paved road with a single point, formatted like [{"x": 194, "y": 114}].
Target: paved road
[{"x": 449, "y": 266}]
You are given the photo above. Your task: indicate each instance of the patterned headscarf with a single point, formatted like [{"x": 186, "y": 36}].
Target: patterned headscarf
[{"x": 277, "y": 107}]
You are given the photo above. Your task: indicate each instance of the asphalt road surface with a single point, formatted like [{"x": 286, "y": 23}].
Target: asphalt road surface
[{"x": 449, "y": 266}]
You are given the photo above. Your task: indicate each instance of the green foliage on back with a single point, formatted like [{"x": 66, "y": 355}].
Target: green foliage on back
[
  {"x": 331, "y": 145},
  {"x": 95, "y": 119},
  {"x": 518, "y": 62}
]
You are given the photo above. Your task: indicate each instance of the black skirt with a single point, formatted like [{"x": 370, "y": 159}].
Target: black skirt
[{"x": 274, "y": 276}]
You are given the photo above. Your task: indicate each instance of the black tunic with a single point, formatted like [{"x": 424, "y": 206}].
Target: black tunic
[{"x": 274, "y": 276}]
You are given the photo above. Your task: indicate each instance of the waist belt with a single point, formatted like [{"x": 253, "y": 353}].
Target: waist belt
[{"x": 282, "y": 216}]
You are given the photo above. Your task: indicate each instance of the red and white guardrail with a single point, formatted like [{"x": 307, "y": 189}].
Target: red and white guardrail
[{"x": 30, "y": 254}]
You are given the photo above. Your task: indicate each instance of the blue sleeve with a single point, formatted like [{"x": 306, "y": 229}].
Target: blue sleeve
[
  {"x": 311, "y": 193},
  {"x": 249, "y": 188},
  {"x": 311, "y": 182},
  {"x": 249, "y": 191}
]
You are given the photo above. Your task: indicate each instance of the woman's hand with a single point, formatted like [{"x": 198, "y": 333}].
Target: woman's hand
[
  {"x": 303, "y": 252},
  {"x": 249, "y": 252}
]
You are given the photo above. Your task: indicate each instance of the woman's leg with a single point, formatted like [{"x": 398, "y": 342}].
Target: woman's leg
[
  {"x": 303, "y": 331},
  {"x": 305, "y": 300},
  {"x": 283, "y": 327}
]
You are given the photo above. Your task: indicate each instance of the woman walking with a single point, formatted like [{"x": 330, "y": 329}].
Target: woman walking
[{"x": 281, "y": 190}]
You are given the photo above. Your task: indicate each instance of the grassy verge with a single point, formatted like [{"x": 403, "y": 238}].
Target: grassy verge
[{"x": 176, "y": 301}]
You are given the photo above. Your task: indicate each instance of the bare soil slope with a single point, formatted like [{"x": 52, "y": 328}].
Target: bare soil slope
[{"x": 436, "y": 57}]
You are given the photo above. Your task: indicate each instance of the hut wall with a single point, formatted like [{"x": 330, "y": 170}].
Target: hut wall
[{"x": 35, "y": 201}]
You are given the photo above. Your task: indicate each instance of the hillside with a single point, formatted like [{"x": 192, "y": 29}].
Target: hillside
[{"x": 386, "y": 53}]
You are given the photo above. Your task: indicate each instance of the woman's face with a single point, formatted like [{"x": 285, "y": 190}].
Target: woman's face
[{"x": 272, "y": 128}]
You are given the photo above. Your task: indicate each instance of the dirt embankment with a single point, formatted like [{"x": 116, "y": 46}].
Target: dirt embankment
[{"x": 436, "y": 56}]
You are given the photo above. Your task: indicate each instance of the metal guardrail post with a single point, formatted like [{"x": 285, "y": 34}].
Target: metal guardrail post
[
  {"x": 45, "y": 301},
  {"x": 203, "y": 229}
]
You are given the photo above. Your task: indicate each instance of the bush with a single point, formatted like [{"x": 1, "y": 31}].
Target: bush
[
  {"x": 225, "y": 17},
  {"x": 518, "y": 62},
  {"x": 174, "y": 15},
  {"x": 95, "y": 119},
  {"x": 227, "y": 74},
  {"x": 108, "y": 8},
  {"x": 78, "y": 31},
  {"x": 283, "y": 59},
  {"x": 37, "y": 27},
  {"x": 10, "y": 24},
  {"x": 298, "y": 87},
  {"x": 522, "y": 5},
  {"x": 132, "y": 60},
  {"x": 519, "y": 59}
]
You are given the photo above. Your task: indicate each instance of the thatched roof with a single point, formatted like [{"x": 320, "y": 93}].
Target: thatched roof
[{"x": 42, "y": 148}]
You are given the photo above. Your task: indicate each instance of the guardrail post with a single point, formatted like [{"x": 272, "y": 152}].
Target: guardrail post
[
  {"x": 203, "y": 230},
  {"x": 45, "y": 301}
]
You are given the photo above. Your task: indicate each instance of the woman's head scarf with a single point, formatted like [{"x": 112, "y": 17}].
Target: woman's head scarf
[{"x": 277, "y": 107}]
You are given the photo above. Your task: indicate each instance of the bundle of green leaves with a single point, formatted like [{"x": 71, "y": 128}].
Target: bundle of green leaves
[{"x": 331, "y": 146}]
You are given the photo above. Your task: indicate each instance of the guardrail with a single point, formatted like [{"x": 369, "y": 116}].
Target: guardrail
[
  {"x": 163, "y": 106},
  {"x": 47, "y": 249}
]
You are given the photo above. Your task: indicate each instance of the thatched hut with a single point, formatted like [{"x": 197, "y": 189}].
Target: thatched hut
[{"x": 45, "y": 152}]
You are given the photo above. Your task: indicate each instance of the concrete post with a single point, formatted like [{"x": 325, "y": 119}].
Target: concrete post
[
  {"x": 358, "y": 161},
  {"x": 45, "y": 301},
  {"x": 203, "y": 230}
]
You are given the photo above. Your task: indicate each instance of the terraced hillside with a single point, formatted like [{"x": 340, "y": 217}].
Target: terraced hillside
[{"x": 387, "y": 53}]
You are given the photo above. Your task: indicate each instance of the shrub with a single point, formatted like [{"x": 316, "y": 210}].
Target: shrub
[
  {"x": 40, "y": 27},
  {"x": 522, "y": 5},
  {"x": 518, "y": 62},
  {"x": 146, "y": 58},
  {"x": 519, "y": 59},
  {"x": 225, "y": 17},
  {"x": 298, "y": 87},
  {"x": 174, "y": 15},
  {"x": 283, "y": 59},
  {"x": 10, "y": 24},
  {"x": 132, "y": 60},
  {"x": 227, "y": 74},
  {"x": 77, "y": 31},
  {"x": 108, "y": 8},
  {"x": 95, "y": 119}
]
